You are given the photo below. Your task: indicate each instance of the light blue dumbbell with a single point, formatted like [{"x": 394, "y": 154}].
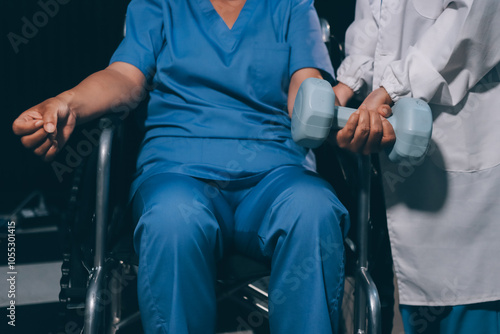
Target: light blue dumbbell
[{"x": 315, "y": 113}]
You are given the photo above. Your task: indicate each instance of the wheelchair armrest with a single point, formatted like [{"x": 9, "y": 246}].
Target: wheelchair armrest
[
  {"x": 102, "y": 193},
  {"x": 110, "y": 189},
  {"x": 97, "y": 281},
  {"x": 367, "y": 297}
]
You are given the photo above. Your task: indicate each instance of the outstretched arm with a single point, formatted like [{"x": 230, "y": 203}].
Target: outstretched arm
[{"x": 46, "y": 127}]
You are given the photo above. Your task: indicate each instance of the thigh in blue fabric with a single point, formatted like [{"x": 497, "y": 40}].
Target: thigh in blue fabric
[
  {"x": 293, "y": 219},
  {"x": 182, "y": 224}
]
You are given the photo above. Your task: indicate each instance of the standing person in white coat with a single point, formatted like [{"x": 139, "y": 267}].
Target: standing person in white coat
[{"x": 443, "y": 210}]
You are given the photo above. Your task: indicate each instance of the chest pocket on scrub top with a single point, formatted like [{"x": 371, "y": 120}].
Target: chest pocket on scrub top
[{"x": 270, "y": 67}]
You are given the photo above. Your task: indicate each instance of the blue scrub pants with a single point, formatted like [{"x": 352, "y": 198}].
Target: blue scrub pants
[
  {"x": 289, "y": 217},
  {"x": 482, "y": 318}
]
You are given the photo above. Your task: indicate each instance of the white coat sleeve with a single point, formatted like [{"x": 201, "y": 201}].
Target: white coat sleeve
[
  {"x": 356, "y": 71},
  {"x": 450, "y": 58}
]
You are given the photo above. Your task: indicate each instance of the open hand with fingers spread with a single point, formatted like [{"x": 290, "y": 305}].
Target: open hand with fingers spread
[
  {"x": 45, "y": 127},
  {"x": 368, "y": 130}
]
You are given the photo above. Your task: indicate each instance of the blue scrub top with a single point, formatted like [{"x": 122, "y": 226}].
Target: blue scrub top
[{"x": 217, "y": 107}]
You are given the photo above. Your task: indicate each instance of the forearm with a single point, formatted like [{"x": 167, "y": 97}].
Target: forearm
[
  {"x": 119, "y": 87},
  {"x": 296, "y": 81}
]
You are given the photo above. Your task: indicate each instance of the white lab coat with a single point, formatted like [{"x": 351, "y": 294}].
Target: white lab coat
[{"x": 444, "y": 210}]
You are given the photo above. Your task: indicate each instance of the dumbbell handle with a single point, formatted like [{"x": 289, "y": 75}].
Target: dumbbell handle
[{"x": 341, "y": 116}]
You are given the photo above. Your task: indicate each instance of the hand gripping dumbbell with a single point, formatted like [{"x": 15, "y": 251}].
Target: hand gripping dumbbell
[{"x": 315, "y": 113}]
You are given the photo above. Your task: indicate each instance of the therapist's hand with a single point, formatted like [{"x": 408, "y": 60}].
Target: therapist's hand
[
  {"x": 45, "y": 127},
  {"x": 367, "y": 130}
]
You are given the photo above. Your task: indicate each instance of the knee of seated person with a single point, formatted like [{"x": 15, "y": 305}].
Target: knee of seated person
[
  {"x": 314, "y": 213},
  {"x": 176, "y": 215},
  {"x": 314, "y": 220},
  {"x": 316, "y": 201}
]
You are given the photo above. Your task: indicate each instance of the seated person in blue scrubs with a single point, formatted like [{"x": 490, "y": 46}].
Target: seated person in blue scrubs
[{"x": 218, "y": 170}]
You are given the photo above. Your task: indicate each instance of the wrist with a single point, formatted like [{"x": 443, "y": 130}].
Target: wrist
[
  {"x": 386, "y": 97},
  {"x": 343, "y": 93},
  {"x": 68, "y": 99}
]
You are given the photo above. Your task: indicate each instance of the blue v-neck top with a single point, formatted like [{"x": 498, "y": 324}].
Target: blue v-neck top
[{"x": 212, "y": 85}]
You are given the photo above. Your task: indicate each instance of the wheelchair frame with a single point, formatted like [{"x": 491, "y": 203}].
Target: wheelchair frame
[{"x": 367, "y": 309}]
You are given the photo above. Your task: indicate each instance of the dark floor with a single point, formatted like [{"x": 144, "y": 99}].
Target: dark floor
[{"x": 44, "y": 319}]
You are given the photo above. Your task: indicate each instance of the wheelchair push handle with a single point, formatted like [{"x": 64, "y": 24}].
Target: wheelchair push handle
[{"x": 315, "y": 113}]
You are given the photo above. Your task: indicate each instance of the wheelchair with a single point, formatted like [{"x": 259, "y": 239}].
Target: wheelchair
[{"x": 99, "y": 265}]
